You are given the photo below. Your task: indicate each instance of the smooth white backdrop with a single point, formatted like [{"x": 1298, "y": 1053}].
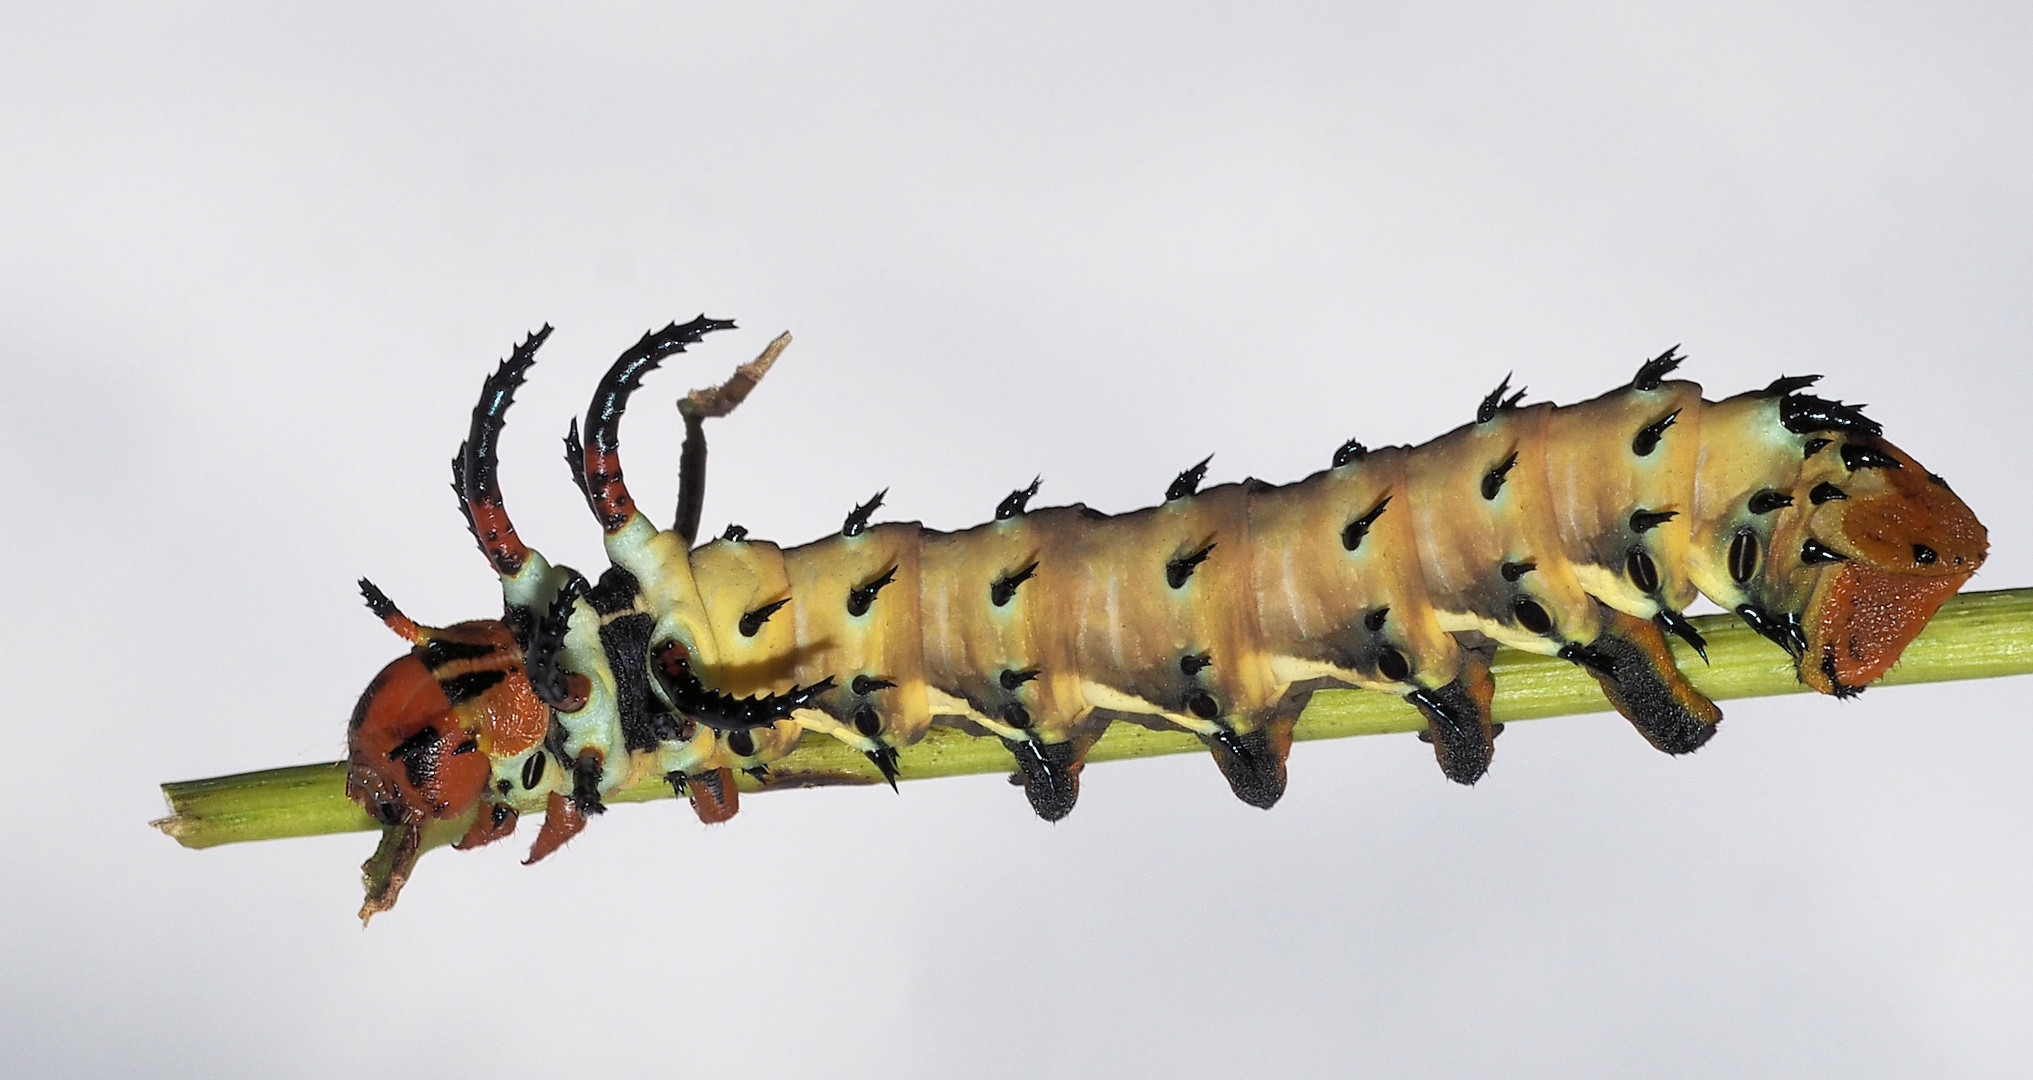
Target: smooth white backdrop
[{"x": 254, "y": 262}]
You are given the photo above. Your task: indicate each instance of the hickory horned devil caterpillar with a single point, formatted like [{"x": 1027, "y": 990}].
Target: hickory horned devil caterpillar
[{"x": 1579, "y": 531}]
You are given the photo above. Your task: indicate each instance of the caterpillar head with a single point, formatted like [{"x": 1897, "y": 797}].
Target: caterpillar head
[
  {"x": 1897, "y": 543},
  {"x": 419, "y": 743},
  {"x": 408, "y": 756}
]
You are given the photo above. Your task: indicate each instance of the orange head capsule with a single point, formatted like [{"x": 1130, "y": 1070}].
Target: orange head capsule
[
  {"x": 421, "y": 741},
  {"x": 409, "y": 757}
]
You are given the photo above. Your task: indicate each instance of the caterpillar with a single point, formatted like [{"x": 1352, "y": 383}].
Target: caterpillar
[{"x": 1580, "y": 531}]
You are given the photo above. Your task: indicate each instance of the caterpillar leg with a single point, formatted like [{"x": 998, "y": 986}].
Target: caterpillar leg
[
  {"x": 1648, "y": 689},
  {"x": 494, "y": 822},
  {"x": 562, "y": 820},
  {"x": 1050, "y": 772},
  {"x": 713, "y": 794},
  {"x": 1458, "y": 718},
  {"x": 1253, "y": 762}
]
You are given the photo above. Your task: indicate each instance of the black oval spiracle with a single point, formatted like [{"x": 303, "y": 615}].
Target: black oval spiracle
[
  {"x": 1644, "y": 573},
  {"x": 533, "y": 770},
  {"x": 1531, "y": 616},
  {"x": 741, "y": 743},
  {"x": 1016, "y": 716},
  {"x": 1201, "y": 704},
  {"x": 867, "y": 721},
  {"x": 1391, "y": 665},
  {"x": 1743, "y": 556}
]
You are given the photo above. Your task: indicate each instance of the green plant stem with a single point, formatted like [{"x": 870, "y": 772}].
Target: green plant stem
[{"x": 1975, "y": 636}]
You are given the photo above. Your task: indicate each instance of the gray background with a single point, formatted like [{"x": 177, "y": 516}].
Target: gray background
[{"x": 254, "y": 264}]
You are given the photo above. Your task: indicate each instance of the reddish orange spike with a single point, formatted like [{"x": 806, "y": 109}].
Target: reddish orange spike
[
  {"x": 474, "y": 470},
  {"x": 562, "y": 820},
  {"x": 390, "y": 615}
]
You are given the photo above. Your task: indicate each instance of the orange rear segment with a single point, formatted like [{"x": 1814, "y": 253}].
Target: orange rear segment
[
  {"x": 1866, "y": 619},
  {"x": 1912, "y": 543}
]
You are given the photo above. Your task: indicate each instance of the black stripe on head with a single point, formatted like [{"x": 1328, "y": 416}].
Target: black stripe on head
[
  {"x": 460, "y": 689},
  {"x": 438, "y": 652},
  {"x": 418, "y": 763}
]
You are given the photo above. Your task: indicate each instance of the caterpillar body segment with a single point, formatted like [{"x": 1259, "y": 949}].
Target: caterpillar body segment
[{"x": 1580, "y": 532}]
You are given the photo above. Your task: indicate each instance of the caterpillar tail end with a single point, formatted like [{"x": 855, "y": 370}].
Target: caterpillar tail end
[{"x": 1863, "y": 619}]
